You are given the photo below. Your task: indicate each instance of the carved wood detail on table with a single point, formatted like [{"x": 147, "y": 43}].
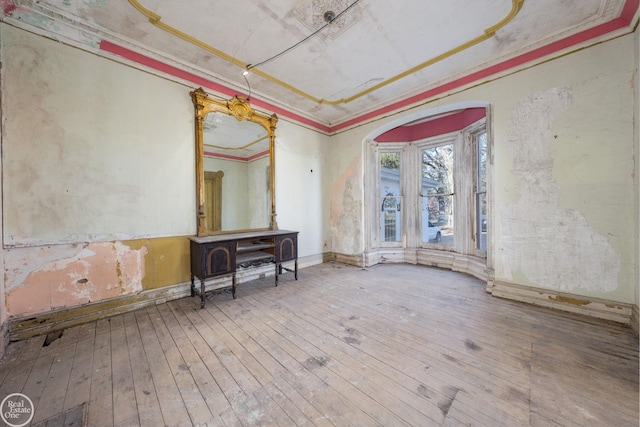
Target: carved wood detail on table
[{"x": 222, "y": 255}]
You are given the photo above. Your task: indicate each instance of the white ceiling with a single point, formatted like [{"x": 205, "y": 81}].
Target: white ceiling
[{"x": 378, "y": 53}]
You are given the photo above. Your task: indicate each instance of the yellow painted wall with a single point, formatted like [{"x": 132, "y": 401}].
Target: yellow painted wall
[{"x": 166, "y": 261}]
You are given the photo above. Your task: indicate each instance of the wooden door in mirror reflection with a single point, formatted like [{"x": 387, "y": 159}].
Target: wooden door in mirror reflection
[{"x": 213, "y": 200}]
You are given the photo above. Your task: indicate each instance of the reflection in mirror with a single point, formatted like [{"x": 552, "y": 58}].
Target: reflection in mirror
[
  {"x": 234, "y": 165},
  {"x": 236, "y": 174}
]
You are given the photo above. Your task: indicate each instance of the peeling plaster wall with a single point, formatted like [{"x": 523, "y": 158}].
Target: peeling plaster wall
[
  {"x": 4, "y": 339},
  {"x": 98, "y": 177},
  {"x": 581, "y": 257},
  {"x": 636, "y": 158},
  {"x": 565, "y": 187},
  {"x": 346, "y": 210},
  {"x": 93, "y": 150},
  {"x": 347, "y": 195},
  {"x": 90, "y": 212},
  {"x": 42, "y": 281}
]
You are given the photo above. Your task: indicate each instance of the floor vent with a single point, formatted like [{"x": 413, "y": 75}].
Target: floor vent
[{"x": 51, "y": 338}]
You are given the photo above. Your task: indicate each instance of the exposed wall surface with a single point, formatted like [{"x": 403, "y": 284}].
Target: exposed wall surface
[
  {"x": 94, "y": 150},
  {"x": 636, "y": 158},
  {"x": 4, "y": 325},
  {"x": 96, "y": 154},
  {"x": 564, "y": 186},
  {"x": 99, "y": 178},
  {"x": 301, "y": 196},
  {"x": 99, "y": 189},
  {"x": 41, "y": 281},
  {"x": 582, "y": 256},
  {"x": 564, "y": 160},
  {"x": 346, "y": 193}
]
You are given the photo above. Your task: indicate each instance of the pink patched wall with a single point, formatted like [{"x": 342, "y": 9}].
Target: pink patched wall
[{"x": 97, "y": 271}]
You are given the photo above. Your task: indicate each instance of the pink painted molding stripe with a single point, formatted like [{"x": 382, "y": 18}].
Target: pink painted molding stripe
[
  {"x": 138, "y": 58},
  {"x": 624, "y": 20},
  {"x": 8, "y": 6}
]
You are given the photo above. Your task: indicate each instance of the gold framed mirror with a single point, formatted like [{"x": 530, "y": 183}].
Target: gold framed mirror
[{"x": 235, "y": 163}]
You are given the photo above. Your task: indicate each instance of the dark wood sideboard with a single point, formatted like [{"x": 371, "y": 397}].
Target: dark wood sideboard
[{"x": 223, "y": 254}]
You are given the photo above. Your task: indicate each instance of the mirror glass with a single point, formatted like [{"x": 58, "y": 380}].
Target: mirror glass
[
  {"x": 234, "y": 165},
  {"x": 236, "y": 174}
]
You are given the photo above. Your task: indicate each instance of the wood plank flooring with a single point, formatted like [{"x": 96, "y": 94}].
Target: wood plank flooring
[{"x": 390, "y": 345}]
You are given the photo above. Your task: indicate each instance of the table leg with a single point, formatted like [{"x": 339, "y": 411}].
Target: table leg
[
  {"x": 233, "y": 286},
  {"x": 201, "y": 293},
  {"x": 193, "y": 287},
  {"x": 296, "y": 269}
]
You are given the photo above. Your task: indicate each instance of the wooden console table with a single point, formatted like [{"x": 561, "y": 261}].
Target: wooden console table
[{"x": 222, "y": 255}]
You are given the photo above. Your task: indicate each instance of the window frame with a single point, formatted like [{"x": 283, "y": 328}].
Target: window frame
[
  {"x": 464, "y": 240},
  {"x": 380, "y": 237},
  {"x": 472, "y": 132},
  {"x": 432, "y": 142}
]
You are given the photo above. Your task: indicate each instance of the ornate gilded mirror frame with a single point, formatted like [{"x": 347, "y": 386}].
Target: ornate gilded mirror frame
[{"x": 241, "y": 109}]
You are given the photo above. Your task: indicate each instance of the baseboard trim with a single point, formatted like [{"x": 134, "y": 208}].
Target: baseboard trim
[
  {"x": 24, "y": 327},
  {"x": 468, "y": 264},
  {"x": 635, "y": 320},
  {"x": 310, "y": 260},
  {"x": 579, "y": 304},
  {"x": 356, "y": 260},
  {"x": 4, "y": 337},
  {"x": 474, "y": 266},
  {"x": 19, "y": 328}
]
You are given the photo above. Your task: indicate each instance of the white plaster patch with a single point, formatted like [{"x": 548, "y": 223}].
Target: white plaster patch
[
  {"x": 86, "y": 271},
  {"x": 77, "y": 289},
  {"x": 65, "y": 262},
  {"x": 20, "y": 262},
  {"x": 346, "y": 206},
  {"x": 133, "y": 267},
  {"x": 554, "y": 248}
]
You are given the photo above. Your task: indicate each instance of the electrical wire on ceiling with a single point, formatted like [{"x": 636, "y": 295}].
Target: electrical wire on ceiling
[
  {"x": 244, "y": 74},
  {"x": 329, "y": 17}
]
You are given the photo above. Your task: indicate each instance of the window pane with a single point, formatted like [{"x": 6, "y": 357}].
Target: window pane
[
  {"x": 437, "y": 220},
  {"x": 437, "y": 170},
  {"x": 390, "y": 220},
  {"x": 390, "y": 207},
  {"x": 481, "y": 183},
  {"x": 481, "y": 191},
  {"x": 481, "y": 223},
  {"x": 437, "y": 186}
]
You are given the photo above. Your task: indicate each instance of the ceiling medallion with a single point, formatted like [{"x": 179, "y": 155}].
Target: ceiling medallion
[{"x": 313, "y": 14}]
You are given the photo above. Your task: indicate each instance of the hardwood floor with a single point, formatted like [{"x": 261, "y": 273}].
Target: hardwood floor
[{"x": 390, "y": 345}]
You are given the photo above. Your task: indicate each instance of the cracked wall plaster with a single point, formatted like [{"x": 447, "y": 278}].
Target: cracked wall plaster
[
  {"x": 94, "y": 272},
  {"x": 552, "y": 247},
  {"x": 346, "y": 210}
]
